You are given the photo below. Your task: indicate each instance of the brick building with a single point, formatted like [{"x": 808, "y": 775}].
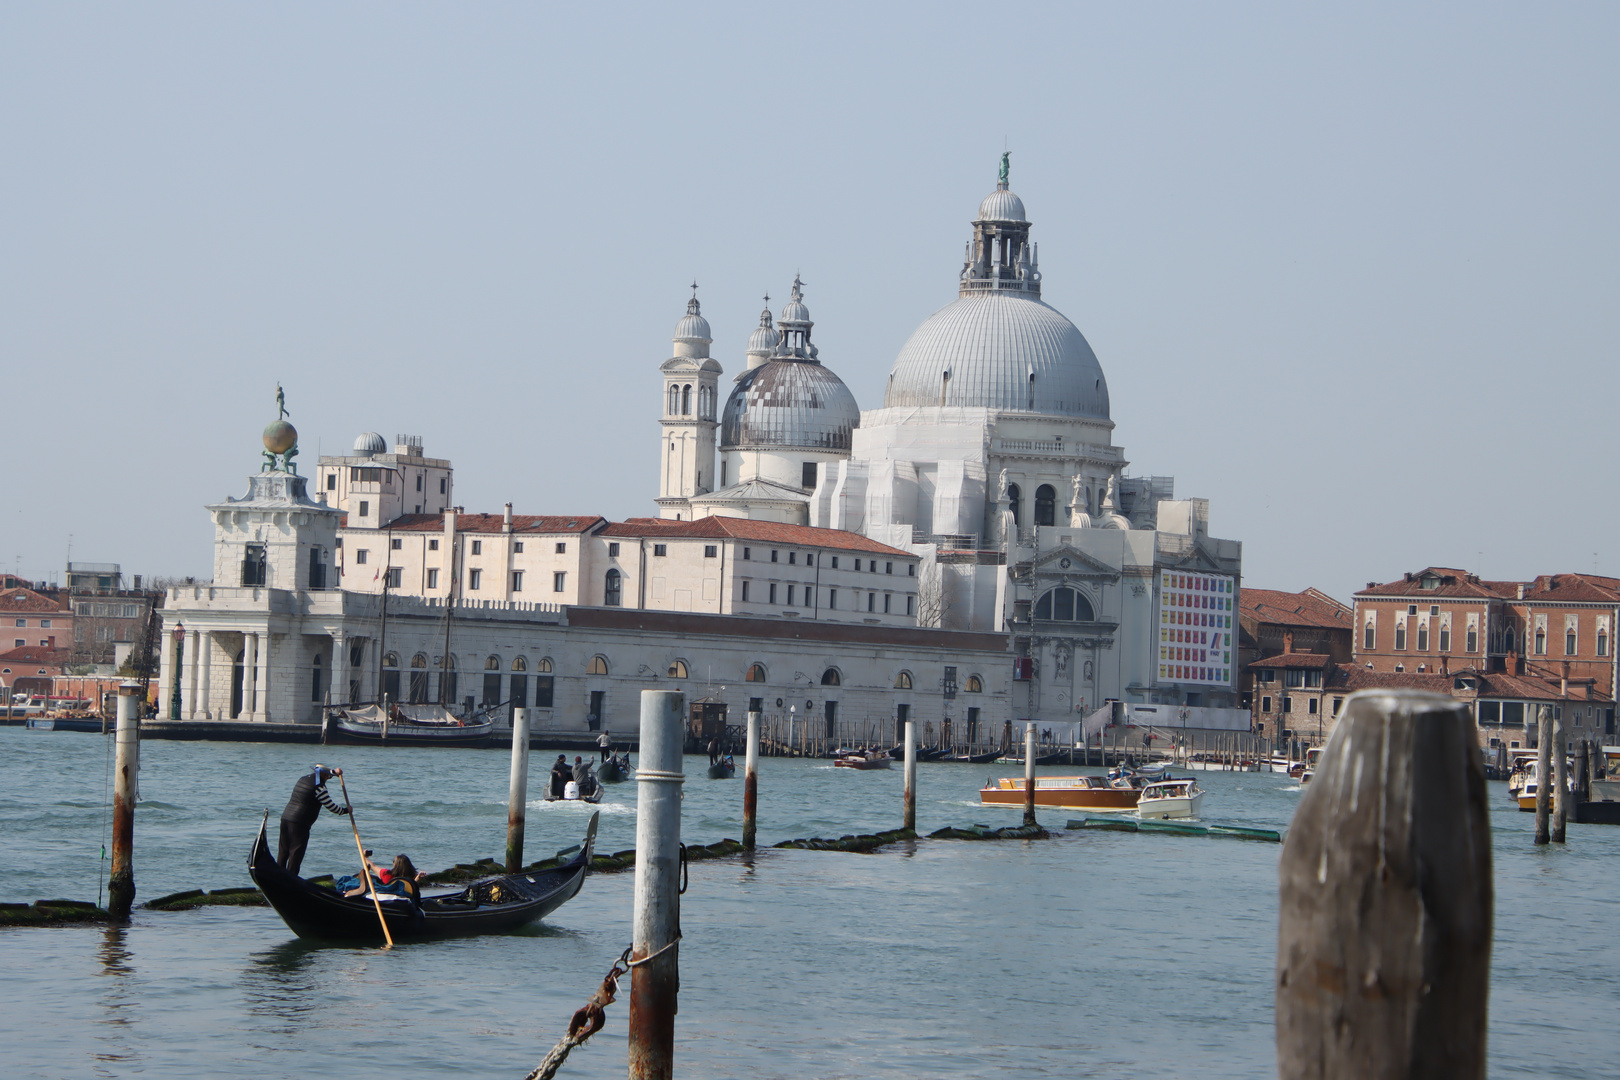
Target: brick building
[
  {"x": 1287, "y": 643},
  {"x": 34, "y": 618}
]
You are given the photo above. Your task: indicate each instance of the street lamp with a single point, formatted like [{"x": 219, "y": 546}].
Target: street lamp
[{"x": 179, "y": 660}]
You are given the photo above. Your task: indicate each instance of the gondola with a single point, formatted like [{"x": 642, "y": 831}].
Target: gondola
[
  {"x": 491, "y": 905},
  {"x": 723, "y": 770},
  {"x": 976, "y": 759},
  {"x": 615, "y": 769}
]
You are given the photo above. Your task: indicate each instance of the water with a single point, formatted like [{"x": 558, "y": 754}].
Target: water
[{"x": 1089, "y": 955}]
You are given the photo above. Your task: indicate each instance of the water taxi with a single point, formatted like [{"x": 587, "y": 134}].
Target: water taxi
[
  {"x": 1170, "y": 799},
  {"x": 863, "y": 760},
  {"x": 1069, "y": 792},
  {"x": 1312, "y": 756}
]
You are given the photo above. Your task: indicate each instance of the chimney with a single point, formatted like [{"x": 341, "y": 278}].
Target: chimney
[
  {"x": 1520, "y": 591},
  {"x": 1288, "y": 641},
  {"x": 506, "y": 519},
  {"x": 1563, "y": 687}
]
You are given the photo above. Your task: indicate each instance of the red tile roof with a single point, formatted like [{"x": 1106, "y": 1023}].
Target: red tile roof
[
  {"x": 1573, "y": 589},
  {"x": 492, "y": 523},
  {"x": 1311, "y": 607},
  {"x": 1355, "y": 677},
  {"x": 1295, "y": 660},
  {"x": 766, "y": 532},
  {"x": 19, "y": 601},
  {"x": 1495, "y": 684},
  {"x": 1453, "y": 583},
  {"x": 35, "y": 654}
]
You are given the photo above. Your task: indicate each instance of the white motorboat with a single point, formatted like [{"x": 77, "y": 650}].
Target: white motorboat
[{"x": 1170, "y": 799}]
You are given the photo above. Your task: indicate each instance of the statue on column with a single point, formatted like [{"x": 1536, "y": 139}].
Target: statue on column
[{"x": 1078, "y": 510}]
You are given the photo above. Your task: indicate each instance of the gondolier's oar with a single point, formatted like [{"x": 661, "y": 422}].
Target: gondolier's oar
[{"x": 365, "y": 864}]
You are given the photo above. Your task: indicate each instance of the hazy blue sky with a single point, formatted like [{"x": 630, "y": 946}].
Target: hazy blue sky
[{"x": 1352, "y": 274}]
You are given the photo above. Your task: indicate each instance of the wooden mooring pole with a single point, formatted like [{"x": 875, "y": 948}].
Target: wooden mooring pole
[
  {"x": 910, "y": 813},
  {"x": 517, "y": 793},
  {"x": 126, "y": 772},
  {"x": 1543, "y": 771},
  {"x": 751, "y": 783},
  {"x": 1385, "y": 899},
  {"x": 654, "y": 978},
  {"x": 1560, "y": 780},
  {"x": 1029, "y": 774}
]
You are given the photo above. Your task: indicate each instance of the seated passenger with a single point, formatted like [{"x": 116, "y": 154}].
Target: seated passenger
[{"x": 401, "y": 879}]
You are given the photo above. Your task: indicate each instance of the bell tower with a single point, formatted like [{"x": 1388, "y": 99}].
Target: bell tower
[{"x": 690, "y": 416}]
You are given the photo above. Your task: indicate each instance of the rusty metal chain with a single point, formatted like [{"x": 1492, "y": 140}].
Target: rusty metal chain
[{"x": 587, "y": 1021}]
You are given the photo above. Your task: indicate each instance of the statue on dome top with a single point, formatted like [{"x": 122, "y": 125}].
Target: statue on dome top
[{"x": 1005, "y": 155}]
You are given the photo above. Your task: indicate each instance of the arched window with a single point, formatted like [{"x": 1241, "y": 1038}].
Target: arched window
[
  {"x": 419, "y": 661},
  {"x": 1541, "y": 641},
  {"x": 756, "y": 673},
  {"x": 830, "y": 677},
  {"x": 419, "y": 680},
  {"x": 597, "y": 666},
  {"x": 1510, "y": 639},
  {"x": 520, "y": 664},
  {"x": 391, "y": 660},
  {"x": 1064, "y": 605},
  {"x": 1569, "y": 644},
  {"x": 902, "y": 681},
  {"x": 1015, "y": 499},
  {"x": 674, "y": 400},
  {"x": 612, "y": 589},
  {"x": 975, "y": 685},
  {"x": 1045, "y": 503},
  {"x": 677, "y": 669},
  {"x": 544, "y": 666},
  {"x": 686, "y": 400},
  {"x": 492, "y": 664}
]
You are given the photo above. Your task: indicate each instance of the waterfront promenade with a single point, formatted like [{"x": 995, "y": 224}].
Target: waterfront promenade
[{"x": 1085, "y": 955}]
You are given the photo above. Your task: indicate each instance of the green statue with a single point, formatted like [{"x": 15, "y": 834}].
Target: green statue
[
  {"x": 281, "y": 398},
  {"x": 1004, "y": 156}
]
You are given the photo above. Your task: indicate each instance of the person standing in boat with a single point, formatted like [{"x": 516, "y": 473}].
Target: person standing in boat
[
  {"x": 605, "y": 741},
  {"x": 560, "y": 775},
  {"x": 308, "y": 796}
]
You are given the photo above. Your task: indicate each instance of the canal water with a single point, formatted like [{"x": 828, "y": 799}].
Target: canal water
[{"x": 1100, "y": 955}]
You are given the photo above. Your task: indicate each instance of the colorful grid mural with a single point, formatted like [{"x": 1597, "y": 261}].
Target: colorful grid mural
[{"x": 1196, "y": 625}]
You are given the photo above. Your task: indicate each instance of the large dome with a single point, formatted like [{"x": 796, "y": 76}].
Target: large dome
[
  {"x": 789, "y": 403},
  {"x": 1002, "y": 351}
]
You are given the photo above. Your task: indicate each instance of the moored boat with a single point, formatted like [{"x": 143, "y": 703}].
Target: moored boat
[
  {"x": 1170, "y": 799},
  {"x": 1068, "y": 792},
  {"x": 490, "y": 905},
  {"x": 404, "y": 725},
  {"x": 867, "y": 760}
]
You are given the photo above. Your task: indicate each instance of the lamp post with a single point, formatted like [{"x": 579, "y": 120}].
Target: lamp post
[{"x": 179, "y": 663}]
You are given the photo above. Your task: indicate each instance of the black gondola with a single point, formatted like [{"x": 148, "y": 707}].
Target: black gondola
[
  {"x": 614, "y": 770},
  {"x": 977, "y": 759},
  {"x": 491, "y": 905},
  {"x": 724, "y": 769}
]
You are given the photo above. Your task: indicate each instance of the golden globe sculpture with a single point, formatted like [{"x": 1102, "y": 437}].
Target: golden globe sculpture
[{"x": 280, "y": 436}]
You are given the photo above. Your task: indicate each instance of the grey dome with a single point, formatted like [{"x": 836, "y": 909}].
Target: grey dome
[
  {"x": 1002, "y": 205},
  {"x": 693, "y": 327},
  {"x": 789, "y": 403},
  {"x": 764, "y": 339},
  {"x": 370, "y": 443},
  {"x": 991, "y": 344}
]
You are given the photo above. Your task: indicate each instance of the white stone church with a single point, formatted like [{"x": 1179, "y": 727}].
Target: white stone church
[{"x": 971, "y": 553}]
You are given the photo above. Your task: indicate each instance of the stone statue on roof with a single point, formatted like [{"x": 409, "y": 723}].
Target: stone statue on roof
[{"x": 1005, "y": 154}]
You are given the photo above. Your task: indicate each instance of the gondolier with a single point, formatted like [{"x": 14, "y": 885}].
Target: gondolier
[
  {"x": 308, "y": 796},
  {"x": 605, "y": 741}
]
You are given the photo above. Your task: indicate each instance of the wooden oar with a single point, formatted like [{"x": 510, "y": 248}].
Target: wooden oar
[{"x": 365, "y": 864}]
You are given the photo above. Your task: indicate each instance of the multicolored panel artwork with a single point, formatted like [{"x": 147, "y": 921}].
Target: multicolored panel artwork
[{"x": 1197, "y": 621}]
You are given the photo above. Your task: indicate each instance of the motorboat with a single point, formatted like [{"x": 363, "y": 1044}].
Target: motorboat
[
  {"x": 1312, "y": 756},
  {"x": 491, "y": 905},
  {"x": 1067, "y": 792},
  {"x": 405, "y": 725},
  {"x": 864, "y": 760},
  {"x": 1170, "y": 799},
  {"x": 1524, "y": 772}
]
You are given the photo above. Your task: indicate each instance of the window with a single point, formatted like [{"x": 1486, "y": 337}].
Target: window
[
  {"x": 772, "y": 597},
  {"x": 433, "y": 545},
  {"x": 1423, "y": 637},
  {"x": 686, "y": 400},
  {"x": 887, "y": 600},
  {"x": 871, "y": 601},
  {"x": 745, "y": 591},
  {"x": 477, "y": 547},
  {"x": 902, "y": 681},
  {"x": 830, "y": 677},
  {"x": 809, "y": 558},
  {"x": 832, "y": 599},
  {"x": 1603, "y": 643},
  {"x": 677, "y": 669},
  {"x": 888, "y": 568},
  {"x": 773, "y": 555},
  {"x": 1265, "y": 703},
  {"x": 492, "y": 664},
  {"x": 1541, "y": 641},
  {"x": 395, "y": 576},
  {"x": 1471, "y": 638},
  {"x": 911, "y": 605},
  {"x": 612, "y": 589},
  {"x": 44, "y": 624},
  {"x": 1288, "y": 704},
  {"x": 475, "y": 579},
  {"x": 517, "y": 547},
  {"x": 835, "y": 562},
  {"x": 1293, "y": 677},
  {"x": 1400, "y": 633},
  {"x": 793, "y": 558},
  {"x": 613, "y": 550},
  {"x": 807, "y": 476},
  {"x": 1045, "y": 505},
  {"x": 597, "y": 666},
  {"x": 1411, "y": 609},
  {"x": 911, "y": 570},
  {"x": 559, "y": 581},
  {"x": 418, "y": 481},
  {"x": 790, "y": 596},
  {"x": 756, "y": 673},
  {"x": 442, "y": 482},
  {"x": 1369, "y": 636},
  {"x": 857, "y": 564},
  {"x": 949, "y": 682},
  {"x": 1064, "y": 605},
  {"x": 1569, "y": 642},
  {"x": 433, "y": 579},
  {"x": 365, "y": 508},
  {"x": 975, "y": 685},
  {"x": 710, "y": 550},
  {"x": 517, "y": 581},
  {"x": 1445, "y": 637},
  {"x": 255, "y": 570},
  {"x": 1014, "y": 498},
  {"x": 1311, "y": 707},
  {"x": 360, "y": 556},
  {"x": 331, "y": 481},
  {"x": 562, "y": 548},
  {"x": 660, "y": 550},
  {"x": 22, "y": 622},
  {"x": 748, "y": 554},
  {"x": 396, "y": 544}
]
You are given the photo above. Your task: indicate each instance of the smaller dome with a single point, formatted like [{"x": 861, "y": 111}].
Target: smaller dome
[
  {"x": 796, "y": 312},
  {"x": 764, "y": 338},
  {"x": 370, "y": 443},
  {"x": 1001, "y": 205},
  {"x": 693, "y": 326}
]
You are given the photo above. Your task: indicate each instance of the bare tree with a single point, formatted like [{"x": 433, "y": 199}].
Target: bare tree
[{"x": 933, "y": 599}]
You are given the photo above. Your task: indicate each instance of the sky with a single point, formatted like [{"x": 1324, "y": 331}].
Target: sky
[{"x": 1351, "y": 270}]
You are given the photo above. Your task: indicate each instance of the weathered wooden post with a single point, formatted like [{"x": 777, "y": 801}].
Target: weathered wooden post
[
  {"x": 127, "y": 767},
  {"x": 517, "y": 796},
  {"x": 1560, "y": 780},
  {"x": 1385, "y": 899},
  {"x": 1029, "y": 774},
  {"x": 654, "y": 980},
  {"x": 911, "y": 776},
  {"x": 1583, "y": 787},
  {"x": 1543, "y": 771},
  {"x": 751, "y": 782}
]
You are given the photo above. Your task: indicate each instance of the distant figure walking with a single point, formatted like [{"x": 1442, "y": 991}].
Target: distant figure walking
[
  {"x": 308, "y": 796},
  {"x": 605, "y": 741}
]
